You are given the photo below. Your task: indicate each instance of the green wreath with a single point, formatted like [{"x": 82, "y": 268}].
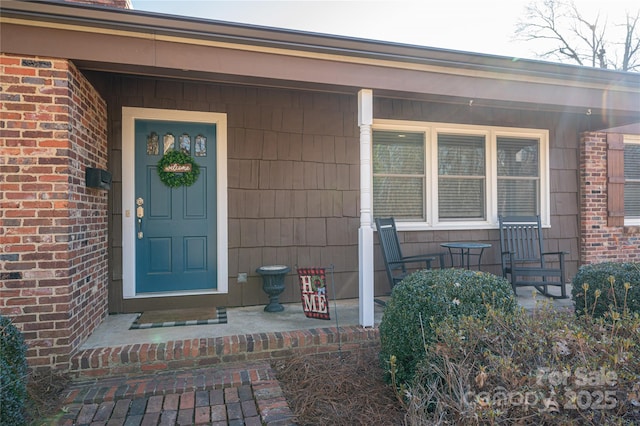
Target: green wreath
[{"x": 174, "y": 179}]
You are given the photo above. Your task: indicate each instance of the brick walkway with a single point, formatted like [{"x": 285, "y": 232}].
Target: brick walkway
[{"x": 246, "y": 394}]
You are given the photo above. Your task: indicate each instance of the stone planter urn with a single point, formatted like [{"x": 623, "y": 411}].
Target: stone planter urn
[{"x": 273, "y": 285}]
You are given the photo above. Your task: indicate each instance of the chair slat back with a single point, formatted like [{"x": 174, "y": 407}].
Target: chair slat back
[
  {"x": 522, "y": 237},
  {"x": 388, "y": 237}
]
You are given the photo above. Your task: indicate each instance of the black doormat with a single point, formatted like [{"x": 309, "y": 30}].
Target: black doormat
[{"x": 180, "y": 317}]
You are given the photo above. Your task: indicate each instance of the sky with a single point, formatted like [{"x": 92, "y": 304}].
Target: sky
[{"x": 468, "y": 25}]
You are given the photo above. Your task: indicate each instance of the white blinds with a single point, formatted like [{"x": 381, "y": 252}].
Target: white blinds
[
  {"x": 518, "y": 176},
  {"x": 632, "y": 180},
  {"x": 398, "y": 174}
]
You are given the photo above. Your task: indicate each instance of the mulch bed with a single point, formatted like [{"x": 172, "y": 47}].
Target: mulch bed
[
  {"x": 334, "y": 390},
  {"x": 320, "y": 390},
  {"x": 45, "y": 389}
]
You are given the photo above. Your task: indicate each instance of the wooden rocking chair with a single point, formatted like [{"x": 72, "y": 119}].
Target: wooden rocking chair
[
  {"x": 523, "y": 260},
  {"x": 394, "y": 261}
]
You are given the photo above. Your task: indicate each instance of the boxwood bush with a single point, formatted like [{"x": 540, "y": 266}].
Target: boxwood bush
[
  {"x": 598, "y": 286},
  {"x": 13, "y": 374},
  {"x": 424, "y": 299}
]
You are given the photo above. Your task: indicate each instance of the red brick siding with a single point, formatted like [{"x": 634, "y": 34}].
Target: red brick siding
[
  {"x": 53, "y": 234},
  {"x": 120, "y": 4},
  {"x": 216, "y": 351},
  {"x": 601, "y": 242}
]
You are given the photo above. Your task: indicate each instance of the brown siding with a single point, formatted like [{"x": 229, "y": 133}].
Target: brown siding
[
  {"x": 292, "y": 180},
  {"x": 564, "y": 182}
]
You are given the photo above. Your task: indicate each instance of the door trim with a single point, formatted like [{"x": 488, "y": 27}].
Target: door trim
[{"x": 129, "y": 115}]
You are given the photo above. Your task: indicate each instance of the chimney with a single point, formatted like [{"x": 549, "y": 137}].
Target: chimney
[{"x": 118, "y": 4}]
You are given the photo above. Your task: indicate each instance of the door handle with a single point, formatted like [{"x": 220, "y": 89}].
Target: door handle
[{"x": 140, "y": 215}]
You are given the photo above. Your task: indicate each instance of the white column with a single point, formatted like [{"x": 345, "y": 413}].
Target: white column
[{"x": 365, "y": 233}]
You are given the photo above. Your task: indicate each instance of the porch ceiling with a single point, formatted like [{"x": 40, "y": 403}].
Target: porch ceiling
[{"x": 178, "y": 47}]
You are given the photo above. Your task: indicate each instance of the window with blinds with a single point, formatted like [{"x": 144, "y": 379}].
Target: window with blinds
[
  {"x": 399, "y": 175},
  {"x": 461, "y": 177},
  {"x": 632, "y": 180},
  {"x": 518, "y": 163},
  {"x": 456, "y": 176}
]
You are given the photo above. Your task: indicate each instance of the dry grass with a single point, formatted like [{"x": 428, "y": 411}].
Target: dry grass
[{"x": 330, "y": 390}]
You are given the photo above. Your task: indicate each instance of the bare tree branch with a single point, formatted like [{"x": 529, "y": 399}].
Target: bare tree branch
[{"x": 567, "y": 34}]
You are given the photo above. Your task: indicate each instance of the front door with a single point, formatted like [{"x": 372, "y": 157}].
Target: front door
[{"x": 175, "y": 245}]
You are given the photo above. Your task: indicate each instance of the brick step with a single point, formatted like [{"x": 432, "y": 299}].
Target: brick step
[
  {"x": 246, "y": 393},
  {"x": 145, "y": 358},
  {"x": 110, "y": 389}
]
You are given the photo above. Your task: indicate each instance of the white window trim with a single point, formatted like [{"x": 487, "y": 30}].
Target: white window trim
[
  {"x": 635, "y": 139},
  {"x": 431, "y": 130},
  {"x": 129, "y": 116}
]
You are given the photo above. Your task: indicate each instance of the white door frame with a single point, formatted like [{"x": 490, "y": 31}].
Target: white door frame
[{"x": 129, "y": 116}]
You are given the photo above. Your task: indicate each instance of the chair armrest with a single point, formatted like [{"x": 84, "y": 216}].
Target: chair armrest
[
  {"x": 418, "y": 257},
  {"x": 414, "y": 259},
  {"x": 560, "y": 254}
]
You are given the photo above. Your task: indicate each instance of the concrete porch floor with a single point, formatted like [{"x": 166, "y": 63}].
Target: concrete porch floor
[
  {"x": 253, "y": 319},
  {"x": 251, "y": 334},
  {"x": 141, "y": 376},
  {"x": 245, "y": 320}
]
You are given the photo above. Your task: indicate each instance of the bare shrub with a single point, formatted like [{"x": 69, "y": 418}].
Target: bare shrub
[{"x": 548, "y": 367}]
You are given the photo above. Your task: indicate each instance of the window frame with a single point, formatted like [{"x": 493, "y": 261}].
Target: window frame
[
  {"x": 491, "y": 134},
  {"x": 630, "y": 139}
]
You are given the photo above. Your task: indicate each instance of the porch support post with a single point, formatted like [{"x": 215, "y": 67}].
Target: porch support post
[{"x": 365, "y": 233}]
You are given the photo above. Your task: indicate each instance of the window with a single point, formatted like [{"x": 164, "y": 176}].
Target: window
[
  {"x": 632, "y": 180},
  {"x": 399, "y": 174},
  {"x": 443, "y": 176},
  {"x": 461, "y": 177},
  {"x": 518, "y": 176}
]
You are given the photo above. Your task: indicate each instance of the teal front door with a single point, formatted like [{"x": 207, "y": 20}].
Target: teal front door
[{"x": 175, "y": 226}]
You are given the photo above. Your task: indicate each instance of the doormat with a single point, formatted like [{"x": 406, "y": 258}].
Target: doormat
[{"x": 180, "y": 317}]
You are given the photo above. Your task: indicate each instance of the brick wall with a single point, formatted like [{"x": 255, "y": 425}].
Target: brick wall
[
  {"x": 53, "y": 233},
  {"x": 120, "y": 4},
  {"x": 599, "y": 241}
]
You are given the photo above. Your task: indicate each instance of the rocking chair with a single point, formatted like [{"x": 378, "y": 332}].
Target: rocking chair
[
  {"x": 523, "y": 260},
  {"x": 394, "y": 262}
]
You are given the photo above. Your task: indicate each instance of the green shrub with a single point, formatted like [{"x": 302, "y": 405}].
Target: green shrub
[
  {"x": 425, "y": 298},
  {"x": 13, "y": 374},
  {"x": 596, "y": 287},
  {"x": 547, "y": 367}
]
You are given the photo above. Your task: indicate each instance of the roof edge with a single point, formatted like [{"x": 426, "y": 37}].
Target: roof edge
[{"x": 199, "y": 28}]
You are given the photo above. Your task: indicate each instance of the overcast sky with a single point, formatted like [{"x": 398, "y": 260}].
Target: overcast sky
[{"x": 469, "y": 25}]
